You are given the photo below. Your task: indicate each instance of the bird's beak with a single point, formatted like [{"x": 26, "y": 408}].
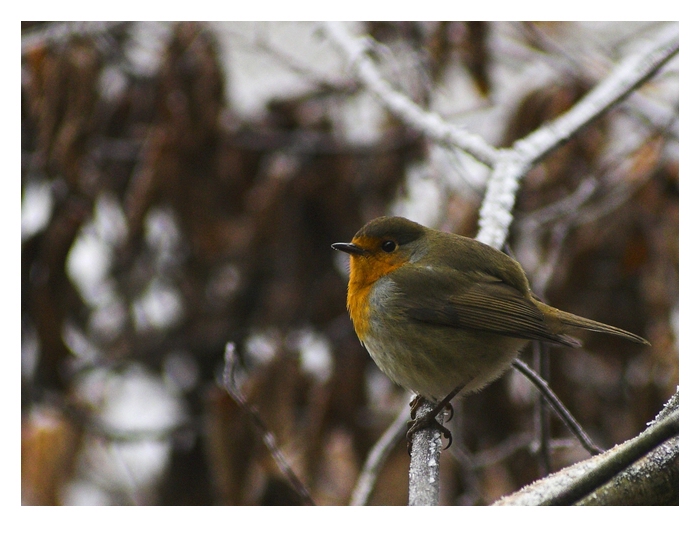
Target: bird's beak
[{"x": 352, "y": 249}]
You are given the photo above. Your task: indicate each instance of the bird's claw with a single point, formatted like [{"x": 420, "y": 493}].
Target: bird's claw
[{"x": 424, "y": 422}]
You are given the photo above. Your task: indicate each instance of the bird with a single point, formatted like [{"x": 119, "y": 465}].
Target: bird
[{"x": 442, "y": 314}]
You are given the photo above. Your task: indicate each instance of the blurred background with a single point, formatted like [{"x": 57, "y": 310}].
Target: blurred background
[{"x": 182, "y": 184}]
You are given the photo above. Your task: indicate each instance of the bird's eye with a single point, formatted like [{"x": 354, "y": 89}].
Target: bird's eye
[{"x": 388, "y": 246}]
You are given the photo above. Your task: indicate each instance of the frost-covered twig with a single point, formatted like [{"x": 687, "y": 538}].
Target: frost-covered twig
[
  {"x": 631, "y": 73},
  {"x": 356, "y": 51},
  {"x": 424, "y": 469},
  {"x": 495, "y": 215}
]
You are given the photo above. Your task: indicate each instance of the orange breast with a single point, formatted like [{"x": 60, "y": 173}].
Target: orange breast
[
  {"x": 358, "y": 307},
  {"x": 364, "y": 271}
]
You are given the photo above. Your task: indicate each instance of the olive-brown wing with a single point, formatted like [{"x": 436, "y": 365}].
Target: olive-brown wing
[{"x": 452, "y": 298}]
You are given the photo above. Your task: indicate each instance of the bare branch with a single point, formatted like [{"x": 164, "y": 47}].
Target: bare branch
[
  {"x": 356, "y": 50},
  {"x": 495, "y": 215},
  {"x": 493, "y": 455},
  {"x": 377, "y": 457},
  {"x": 629, "y": 75},
  {"x": 557, "y": 406},
  {"x": 561, "y": 208},
  {"x": 268, "y": 438}
]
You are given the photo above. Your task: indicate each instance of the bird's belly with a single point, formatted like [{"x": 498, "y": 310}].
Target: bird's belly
[{"x": 433, "y": 360}]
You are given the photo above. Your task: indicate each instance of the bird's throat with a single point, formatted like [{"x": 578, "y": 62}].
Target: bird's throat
[{"x": 364, "y": 272}]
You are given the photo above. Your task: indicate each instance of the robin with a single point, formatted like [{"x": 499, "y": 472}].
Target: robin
[{"x": 442, "y": 314}]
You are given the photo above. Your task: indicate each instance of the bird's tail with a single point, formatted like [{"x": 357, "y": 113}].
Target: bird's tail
[{"x": 572, "y": 320}]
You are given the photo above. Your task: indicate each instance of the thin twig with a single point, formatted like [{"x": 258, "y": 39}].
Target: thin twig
[
  {"x": 504, "y": 450},
  {"x": 563, "y": 59},
  {"x": 493, "y": 455},
  {"x": 557, "y": 406},
  {"x": 557, "y": 237},
  {"x": 628, "y": 76},
  {"x": 377, "y": 457},
  {"x": 555, "y": 211},
  {"x": 540, "y": 356},
  {"x": 357, "y": 51},
  {"x": 268, "y": 438}
]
